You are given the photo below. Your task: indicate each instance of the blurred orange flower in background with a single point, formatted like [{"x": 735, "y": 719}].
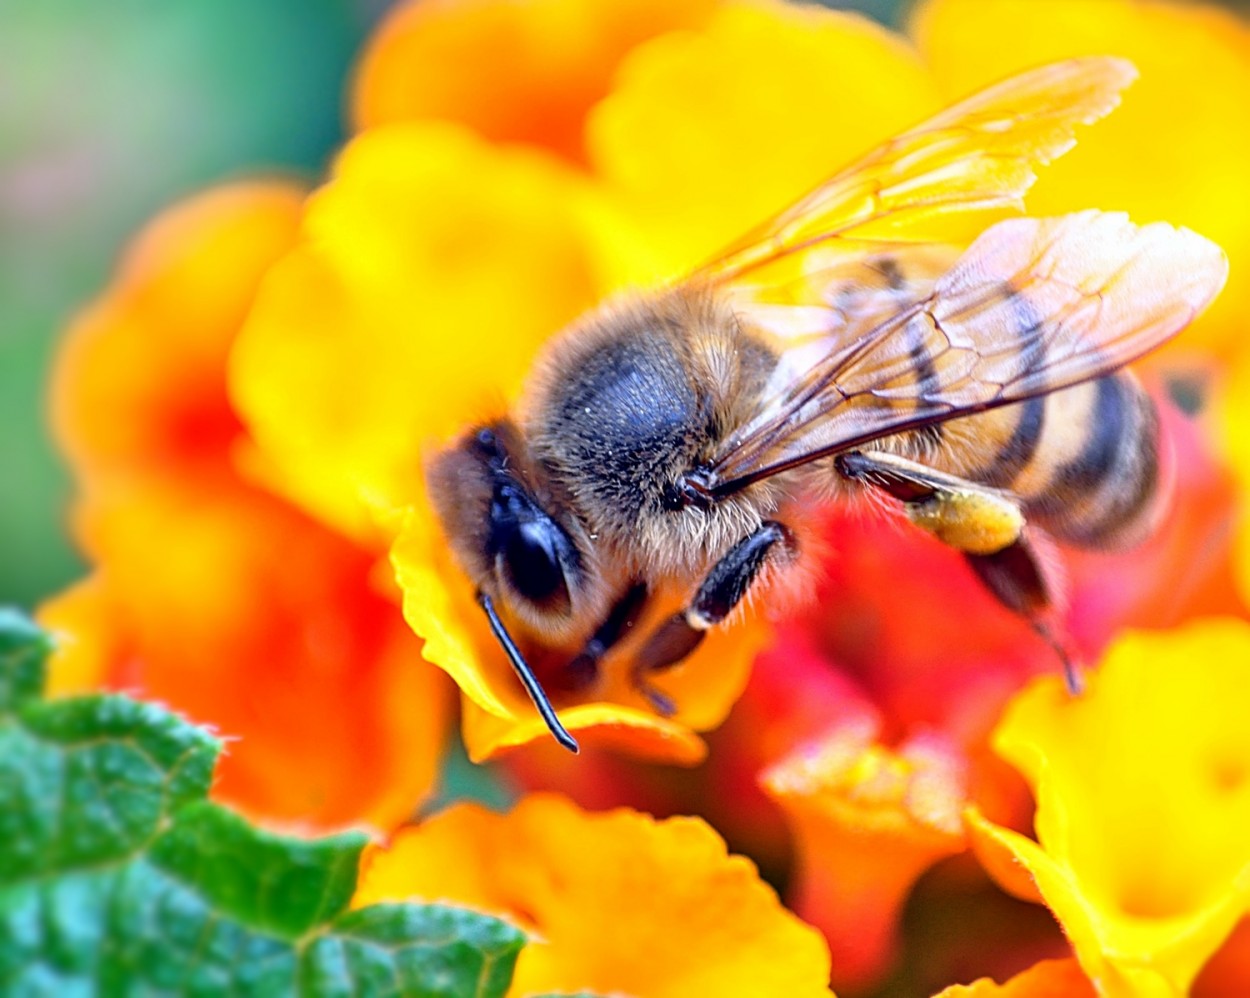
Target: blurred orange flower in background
[
  {"x": 210, "y": 593},
  {"x": 250, "y": 406}
]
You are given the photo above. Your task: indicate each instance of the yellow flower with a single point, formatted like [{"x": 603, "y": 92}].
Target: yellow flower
[
  {"x": 1143, "y": 799},
  {"x": 1234, "y": 426},
  {"x": 614, "y": 903},
  {"x": 1177, "y": 148}
]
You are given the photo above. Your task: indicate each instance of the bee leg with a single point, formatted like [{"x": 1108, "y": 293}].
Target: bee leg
[
  {"x": 986, "y": 525},
  {"x": 584, "y": 668},
  {"x": 722, "y": 590},
  {"x": 971, "y": 518}
]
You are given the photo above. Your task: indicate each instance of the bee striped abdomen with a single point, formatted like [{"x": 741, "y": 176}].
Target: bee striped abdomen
[{"x": 1083, "y": 461}]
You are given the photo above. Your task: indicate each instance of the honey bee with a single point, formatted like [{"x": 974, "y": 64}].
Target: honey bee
[{"x": 660, "y": 440}]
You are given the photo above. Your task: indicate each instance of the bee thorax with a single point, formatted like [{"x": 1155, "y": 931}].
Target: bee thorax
[{"x": 626, "y": 408}]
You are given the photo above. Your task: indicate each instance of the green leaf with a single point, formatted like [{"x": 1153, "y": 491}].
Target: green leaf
[
  {"x": 117, "y": 877},
  {"x": 23, "y": 648}
]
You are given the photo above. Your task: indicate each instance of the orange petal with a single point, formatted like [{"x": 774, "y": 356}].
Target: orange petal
[
  {"x": 616, "y": 902},
  {"x": 868, "y": 821},
  {"x": 1046, "y": 979},
  {"x": 126, "y": 392},
  {"x": 514, "y": 72},
  {"x": 244, "y": 614},
  {"x": 1174, "y": 151}
]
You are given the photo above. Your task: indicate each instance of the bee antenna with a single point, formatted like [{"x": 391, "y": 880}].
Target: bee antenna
[{"x": 532, "y": 686}]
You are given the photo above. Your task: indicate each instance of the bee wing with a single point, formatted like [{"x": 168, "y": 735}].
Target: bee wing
[
  {"x": 977, "y": 155},
  {"x": 1032, "y": 306}
]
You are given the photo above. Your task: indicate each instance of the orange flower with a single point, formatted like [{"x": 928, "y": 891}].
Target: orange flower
[
  {"x": 868, "y": 821},
  {"x": 514, "y": 72},
  {"x": 210, "y": 593},
  {"x": 614, "y": 903}
]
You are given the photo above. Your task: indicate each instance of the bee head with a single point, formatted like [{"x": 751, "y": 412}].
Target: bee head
[{"x": 503, "y": 532}]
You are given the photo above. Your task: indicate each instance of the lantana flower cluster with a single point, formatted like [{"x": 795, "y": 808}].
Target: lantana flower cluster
[{"x": 883, "y": 786}]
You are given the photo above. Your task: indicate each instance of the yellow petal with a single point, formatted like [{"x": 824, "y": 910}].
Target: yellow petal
[
  {"x": 615, "y": 902},
  {"x": 428, "y": 272},
  {"x": 708, "y": 133},
  {"x": 1178, "y": 147},
  {"x": 1143, "y": 796}
]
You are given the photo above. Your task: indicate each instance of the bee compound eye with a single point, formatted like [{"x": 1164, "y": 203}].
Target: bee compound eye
[
  {"x": 534, "y": 554},
  {"x": 486, "y": 441}
]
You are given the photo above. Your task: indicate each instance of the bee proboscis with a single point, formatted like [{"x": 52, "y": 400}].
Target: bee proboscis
[{"x": 660, "y": 440}]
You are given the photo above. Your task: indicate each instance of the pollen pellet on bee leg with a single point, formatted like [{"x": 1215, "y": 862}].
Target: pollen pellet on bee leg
[
  {"x": 959, "y": 513},
  {"x": 972, "y": 522}
]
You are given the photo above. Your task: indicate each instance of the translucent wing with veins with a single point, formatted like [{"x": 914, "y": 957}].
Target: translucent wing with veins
[
  {"x": 976, "y": 156},
  {"x": 880, "y": 331},
  {"x": 1033, "y": 306}
]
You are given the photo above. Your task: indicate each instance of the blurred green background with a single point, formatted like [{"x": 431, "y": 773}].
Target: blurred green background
[{"x": 109, "y": 111}]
